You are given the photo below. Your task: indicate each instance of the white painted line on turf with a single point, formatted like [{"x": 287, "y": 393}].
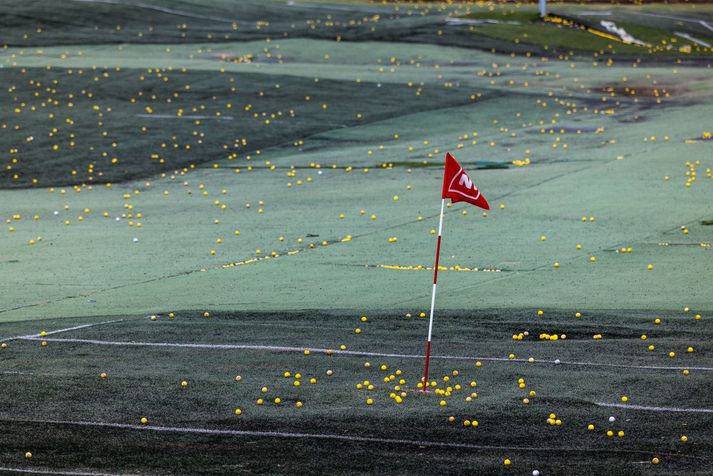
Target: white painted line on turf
[
  {"x": 170, "y": 116},
  {"x": 671, "y": 17},
  {"x": 695, "y": 40},
  {"x": 52, "y": 471},
  {"x": 161, "y": 9},
  {"x": 345, "y": 8},
  {"x": 625, "y": 36},
  {"x": 331, "y": 436},
  {"x": 356, "y": 353},
  {"x": 655, "y": 409},
  {"x": 59, "y": 331}
]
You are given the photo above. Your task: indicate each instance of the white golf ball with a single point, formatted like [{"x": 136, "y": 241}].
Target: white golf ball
[
  {"x": 612, "y": 419},
  {"x": 319, "y": 172},
  {"x": 135, "y": 240},
  {"x": 56, "y": 213},
  {"x": 535, "y": 473},
  {"x": 557, "y": 361}
]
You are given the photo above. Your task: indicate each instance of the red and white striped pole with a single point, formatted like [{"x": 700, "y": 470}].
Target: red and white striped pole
[{"x": 433, "y": 296}]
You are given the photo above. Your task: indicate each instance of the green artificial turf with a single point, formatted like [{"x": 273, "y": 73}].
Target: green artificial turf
[
  {"x": 594, "y": 160},
  {"x": 64, "y": 381},
  {"x": 121, "y": 124},
  {"x": 525, "y": 26}
]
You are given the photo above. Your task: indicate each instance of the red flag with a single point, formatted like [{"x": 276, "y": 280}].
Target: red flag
[{"x": 459, "y": 187}]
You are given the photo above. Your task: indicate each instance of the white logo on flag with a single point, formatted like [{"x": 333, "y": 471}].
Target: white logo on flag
[{"x": 466, "y": 182}]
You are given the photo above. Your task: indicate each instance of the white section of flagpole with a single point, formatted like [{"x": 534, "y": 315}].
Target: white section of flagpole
[
  {"x": 435, "y": 278},
  {"x": 440, "y": 220},
  {"x": 430, "y": 319}
]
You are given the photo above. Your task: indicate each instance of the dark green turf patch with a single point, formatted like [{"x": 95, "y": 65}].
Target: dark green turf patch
[
  {"x": 63, "y": 380},
  {"x": 571, "y": 33},
  {"x": 507, "y": 15},
  {"x": 84, "y": 126},
  {"x": 483, "y": 165},
  {"x": 75, "y": 448},
  {"x": 45, "y": 22}
]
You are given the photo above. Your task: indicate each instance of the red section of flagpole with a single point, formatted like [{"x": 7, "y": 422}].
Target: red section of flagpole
[
  {"x": 438, "y": 256},
  {"x": 428, "y": 358}
]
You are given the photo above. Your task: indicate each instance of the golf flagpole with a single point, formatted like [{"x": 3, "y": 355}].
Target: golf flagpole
[
  {"x": 433, "y": 295},
  {"x": 459, "y": 188}
]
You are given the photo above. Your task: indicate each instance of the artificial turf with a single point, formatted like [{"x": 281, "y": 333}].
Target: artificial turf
[
  {"x": 63, "y": 380},
  {"x": 102, "y": 125},
  {"x": 596, "y": 164},
  {"x": 582, "y": 33}
]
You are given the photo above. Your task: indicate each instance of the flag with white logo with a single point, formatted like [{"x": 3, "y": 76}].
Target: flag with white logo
[{"x": 459, "y": 187}]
